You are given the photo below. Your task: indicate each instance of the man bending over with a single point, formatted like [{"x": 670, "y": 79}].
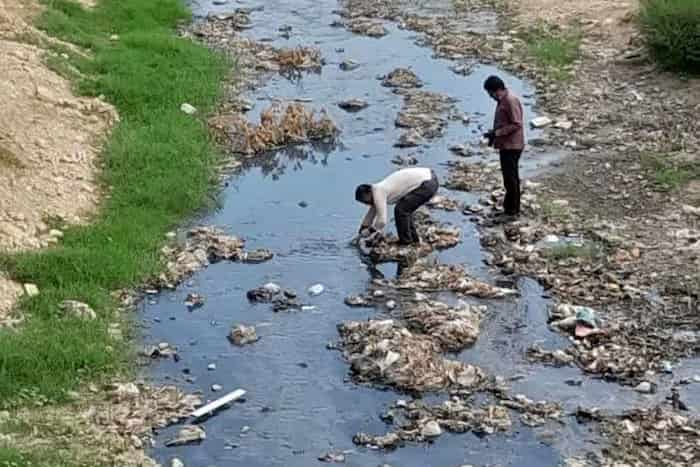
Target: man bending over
[{"x": 408, "y": 189}]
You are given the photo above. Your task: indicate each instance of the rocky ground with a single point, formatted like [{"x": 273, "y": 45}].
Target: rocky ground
[{"x": 49, "y": 142}]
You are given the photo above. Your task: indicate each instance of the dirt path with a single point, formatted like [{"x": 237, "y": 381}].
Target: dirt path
[{"x": 49, "y": 143}]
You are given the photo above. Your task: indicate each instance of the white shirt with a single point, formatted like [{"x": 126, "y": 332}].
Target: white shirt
[{"x": 390, "y": 191}]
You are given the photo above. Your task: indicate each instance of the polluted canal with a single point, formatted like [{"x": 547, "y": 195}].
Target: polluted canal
[{"x": 302, "y": 402}]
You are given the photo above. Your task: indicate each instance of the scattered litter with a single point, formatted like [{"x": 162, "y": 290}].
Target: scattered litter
[
  {"x": 177, "y": 462},
  {"x": 645, "y": 387},
  {"x": 279, "y": 126},
  {"x": 216, "y": 387},
  {"x": 76, "y": 309},
  {"x": 211, "y": 367},
  {"x": 402, "y": 78},
  {"x": 431, "y": 430},
  {"x": 316, "y": 289},
  {"x": 409, "y": 139},
  {"x": 353, "y": 105},
  {"x": 242, "y": 335},
  {"x": 188, "y": 109},
  {"x": 271, "y": 293},
  {"x": 194, "y": 300},
  {"x": 334, "y": 456},
  {"x": 404, "y": 160},
  {"x": 384, "y": 352},
  {"x": 540, "y": 122},
  {"x": 359, "y": 301},
  {"x": 349, "y": 65},
  {"x": 187, "y": 435},
  {"x": 31, "y": 290},
  {"x": 461, "y": 150},
  {"x": 204, "y": 246},
  {"x": 367, "y": 27},
  {"x": 454, "y": 328},
  {"x": 218, "y": 403}
]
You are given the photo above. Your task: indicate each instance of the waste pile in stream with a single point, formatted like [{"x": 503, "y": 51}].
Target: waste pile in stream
[
  {"x": 281, "y": 299},
  {"x": 203, "y": 246},
  {"x": 279, "y": 126},
  {"x": 434, "y": 235},
  {"x": 418, "y": 422},
  {"x": 471, "y": 177},
  {"x": 222, "y": 32},
  {"x": 452, "y": 327},
  {"x": 385, "y": 352},
  {"x": 428, "y": 277},
  {"x": 659, "y": 435}
]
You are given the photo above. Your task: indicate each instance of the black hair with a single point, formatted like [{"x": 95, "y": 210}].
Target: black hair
[
  {"x": 493, "y": 84},
  {"x": 363, "y": 194}
]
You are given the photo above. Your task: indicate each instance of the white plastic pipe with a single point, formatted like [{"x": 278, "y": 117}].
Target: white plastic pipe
[{"x": 212, "y": 406}]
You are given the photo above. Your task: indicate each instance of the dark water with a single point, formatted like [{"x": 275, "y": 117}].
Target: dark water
[{"x": 300, "y": 403}]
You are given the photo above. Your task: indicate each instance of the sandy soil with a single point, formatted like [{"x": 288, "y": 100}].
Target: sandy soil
[{"x": 49, "y": 142}]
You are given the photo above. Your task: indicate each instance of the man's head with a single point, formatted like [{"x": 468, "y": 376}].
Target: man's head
[
  {"x": 363, "y": 194},
  {"x": 495, "y": 87}
]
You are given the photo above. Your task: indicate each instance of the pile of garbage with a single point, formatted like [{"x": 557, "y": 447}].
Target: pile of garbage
[
  {"x": 471, "y": 177},
  {"x": 387, "y": 353},
  {"x": 452, "y": 327},
  {"x": 402, "y": 78},
  {"x": 656, "y": 436},
  {"x": 279, "y": 126},
  {"x": 533, "y": 413},
  {"x": 424, "y": 112},
  {"x": 367, "y": 27},
  {"x": 281, "y": 299},
  {"x": 433, "y": 234},
  {"x": 444, "y": 203},
  {"x": 298, "y": 58},
  {"x": 427, "y": 277},
  {"x": 417, "y": 421},
  {"x": 204, "y": 246}
]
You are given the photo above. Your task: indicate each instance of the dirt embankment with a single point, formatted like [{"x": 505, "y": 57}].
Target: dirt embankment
[{"x": 49, "y": 142}]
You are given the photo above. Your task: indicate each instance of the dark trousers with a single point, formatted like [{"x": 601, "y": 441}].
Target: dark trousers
[
  {"x": 403, "y": 213},
  {"x": 511, "y": 179}
]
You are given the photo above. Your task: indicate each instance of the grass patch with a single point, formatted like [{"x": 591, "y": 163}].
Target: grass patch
[
  {"x": 158, "y": 167},
  {"x": 669, "y": 173},
  {"x": 13, "y": 457},
  {"x": 570, "y": 250},
  {"x": 672, "y": 31},
  {"x": 554, "y": 51}
]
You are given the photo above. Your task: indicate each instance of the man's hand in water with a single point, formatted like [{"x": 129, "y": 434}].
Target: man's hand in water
[
  {"x": 367, "y": 232},
  {"x": 491, "y": 137}
]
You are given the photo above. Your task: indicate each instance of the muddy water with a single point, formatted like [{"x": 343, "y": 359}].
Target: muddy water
[{"x": 300, "y": 402}]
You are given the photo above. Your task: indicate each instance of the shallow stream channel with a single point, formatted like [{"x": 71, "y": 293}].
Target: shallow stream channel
[{"x": 299, "y": 202}]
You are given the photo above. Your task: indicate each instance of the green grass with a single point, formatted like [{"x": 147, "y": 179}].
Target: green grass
[
  {"x": 569, "y": 250},
  {"x": 672, "y": 31},
  {"x": 157, "y": 167},
  {"x": 555, "y": 52},
  {"x": 669, "y": 173},
  {"x": 12, "y": 457}
]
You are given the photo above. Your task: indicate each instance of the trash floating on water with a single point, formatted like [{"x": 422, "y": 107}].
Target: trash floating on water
[
  {"x": 385, "y": 352},
  {"x": 271, "y": 293},
  {"x": 242, "y": 335},
  {"x": 187, "y": 435}
]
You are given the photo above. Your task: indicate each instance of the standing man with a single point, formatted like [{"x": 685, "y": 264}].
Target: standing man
[
  {"x": 409, "y": 189},
  {"x": 508, "y": 136}
]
